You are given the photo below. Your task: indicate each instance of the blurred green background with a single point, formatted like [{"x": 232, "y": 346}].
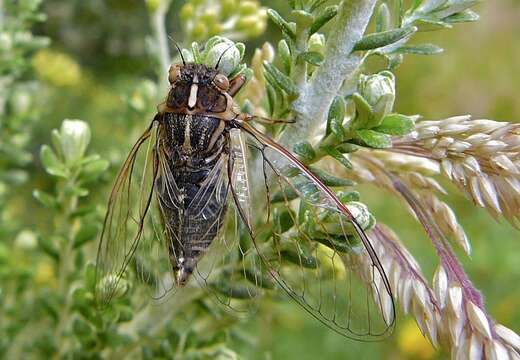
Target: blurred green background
[{"x": 98, "y": 57}]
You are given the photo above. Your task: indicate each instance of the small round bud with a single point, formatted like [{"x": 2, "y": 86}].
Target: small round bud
[
  {"x": 226, "y": 54},
  {"x": 379, "y": 91},
  {"x": 74, "y": 139},
  {"x": 187, "y": 12},
  {"x": 361, "y": 213},
  {"x": 317, "y": 43},
  {"x": 248, "y": 7},
  {"x": 153, "y": 5},
  {"x": 26, "y": 240},
  {"x": 112, "y": 287}
]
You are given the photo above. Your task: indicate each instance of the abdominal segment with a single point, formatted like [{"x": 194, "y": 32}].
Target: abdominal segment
[{"x": 194, "y": 216}]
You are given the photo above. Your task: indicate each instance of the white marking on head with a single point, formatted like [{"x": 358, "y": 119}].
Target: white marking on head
[{"x": 192, "y": 100}]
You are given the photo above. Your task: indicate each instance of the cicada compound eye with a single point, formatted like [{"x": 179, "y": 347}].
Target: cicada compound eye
[
  {"x": 222, "y": 82},
  {"x": 173, "y": 73}
]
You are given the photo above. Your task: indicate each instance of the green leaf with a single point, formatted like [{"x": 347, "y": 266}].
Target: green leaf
[
  {"x": 87, "y": 232},
  {"x": 271, "y": 98},
  {"x": 396, "y": 124},
  {"x": 51, "y": 163},
  {"x": 421, "y": 49},
  {"x": 364, "y": 111},
  {"x": 329, "y": 179},
  {"x": 431, "y": 24},
  {"x": 56, "y": 141},
  {"x": 282, "y": 196},
  {"x": 80, "y": 327},
  {"x": 301, "y": 259},
  {"x": 453, "y": 7},
  {"x": 195, "y": 50},
  {"x": 284, "y": 26},
  {"x": 378, "y": 40},
  {"x": 383, "y": 20},
  {"x": 348, "y": 196},
  {"x": 236, "y": 291},
  {"x": 259, "y": 279},
  {"x": 461, "y": 17},
  {"x": 305, "y": 151},
  {"x": 284, "y": 54},
  {"x": 374, "y": 139},
  {"x": 92, "y": 170},
  {"x": 45, "y": 199},
  {"x": 334, "y": 243},
  {"x": 316, "y": 4},
  {"x": 312, "y": 57},
  {"x": 76, "y": 191},
  {"x": 328, "y": 14},
  {"x": 48, "y": 247},
  {"x": 346, "y": 148},
  {"x": 335, "y": 118},
  {"x": 90, "y": 276},
  {"x": 303, "y": 18},
  {"x": 282, "y": 80},
  {"x": 283, "y": 220},
  {"x": 337, "y": 155}
]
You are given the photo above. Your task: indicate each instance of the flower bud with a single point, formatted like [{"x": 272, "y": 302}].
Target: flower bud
[
  {"x": 26, "y": 240},
  {"x": 21, "y": 101},
  {"x": 199, "y": 31},
  {"x": 361, "y": 213},
  {"x": 153, "y": 5},
  {"x": 112, "y": 287},
  {"x": 248, "y": 7},
  {"x": 6, "y": 42},
  {"x": 187, "y": 12},
  {"x": 225, "y": 53},
  {"x": 74, "y": 138},
  {"x": 317, "y": 43},
  {"x": 379, "y": 91}
]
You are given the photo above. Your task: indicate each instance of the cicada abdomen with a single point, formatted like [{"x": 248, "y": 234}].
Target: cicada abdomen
[{"x": 193, "y": 214}]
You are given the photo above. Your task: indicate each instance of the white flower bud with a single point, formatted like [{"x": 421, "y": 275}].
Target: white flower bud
[
  {"x": 317, "y": 43},
  {"x": 379, "y": 91},
  {"x": 112, "y": 287},
  {"x": 360, "y": 212},
  {"x": 26, "y": 240},
  {"x": 225, "y": 53},
  {"x": 74, "y": 139}
]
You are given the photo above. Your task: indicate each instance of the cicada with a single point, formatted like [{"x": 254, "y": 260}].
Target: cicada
[{"x": 202, "y": 165}]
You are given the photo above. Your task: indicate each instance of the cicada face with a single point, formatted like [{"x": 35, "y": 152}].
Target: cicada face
[
  {"x": 199, "y": 89},
  {"x": 186, "y": 183}
]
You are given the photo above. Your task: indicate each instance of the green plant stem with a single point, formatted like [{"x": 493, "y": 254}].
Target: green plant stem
[
  {"x": 158, "y": 18},
  {"x": 1, "y": 14},
  {"x": 316, "y": 95},
  {"x": 64, "y": 267},
  {"x": 300, "y": 70},
  {"x": 153, "y": 319}
]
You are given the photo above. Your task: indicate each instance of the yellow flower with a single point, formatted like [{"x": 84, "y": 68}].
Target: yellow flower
[
  {"x": 56, "y": 68},
  {"x": 45, "y": 274},
  {"x": 412, "y": 343}
]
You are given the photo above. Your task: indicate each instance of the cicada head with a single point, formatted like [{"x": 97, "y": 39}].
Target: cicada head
[{"x": 198, "y": 88}]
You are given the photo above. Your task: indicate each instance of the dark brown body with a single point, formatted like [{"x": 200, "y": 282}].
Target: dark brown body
[
  {"x": 194, "y": 137},
  {"x": 194, "y": 147}
]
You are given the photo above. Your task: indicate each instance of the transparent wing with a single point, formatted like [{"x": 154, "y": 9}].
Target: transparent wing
[
  {"x": 314, "y": 248},
  {"x": 133, "y": 233},
  {"x": 230, "y": 270}
]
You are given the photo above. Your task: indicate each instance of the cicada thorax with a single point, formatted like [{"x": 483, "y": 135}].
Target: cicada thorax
[{"x": 194, "y": 139}]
